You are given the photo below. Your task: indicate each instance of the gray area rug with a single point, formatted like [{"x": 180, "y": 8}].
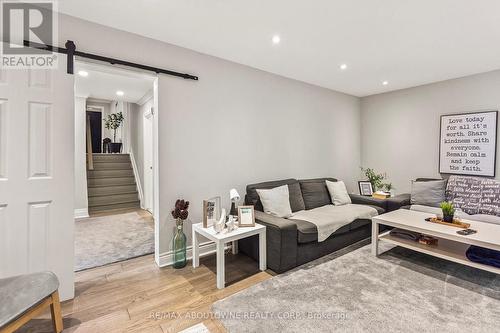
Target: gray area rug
[
  {"x": 107, "y": 239},
  {"x": 400, "y": 291}
]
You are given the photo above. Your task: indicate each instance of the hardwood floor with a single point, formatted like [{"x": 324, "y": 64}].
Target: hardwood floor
[{"x": 138, "y": 296}]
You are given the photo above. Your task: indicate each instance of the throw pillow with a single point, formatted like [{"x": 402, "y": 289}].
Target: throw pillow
[
  {"x": 276, "y": 201},
  {"x": 338, "y": 193},
  {"x": 429, "y": 193}
]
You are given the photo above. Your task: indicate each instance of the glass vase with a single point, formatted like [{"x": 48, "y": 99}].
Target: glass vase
[{"x": 179, "y": 245}]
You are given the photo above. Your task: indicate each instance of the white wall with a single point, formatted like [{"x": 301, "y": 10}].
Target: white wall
[
  {"x": 81, "y": 200},
  {"x": 400, "y": 130},
  {"x": 235, "y": 126},
  {"x": 138, "y": 142}
]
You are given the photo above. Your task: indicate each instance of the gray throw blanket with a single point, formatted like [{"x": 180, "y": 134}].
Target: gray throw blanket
[{"x": 330, "y": 218}]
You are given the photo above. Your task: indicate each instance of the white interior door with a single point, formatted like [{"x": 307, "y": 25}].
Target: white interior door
[
  {"x": 37, "y": 173},
  {"x": 148, "y": 160}
]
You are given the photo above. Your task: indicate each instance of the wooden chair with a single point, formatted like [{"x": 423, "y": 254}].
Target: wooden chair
[{"x": 27, "y": 296}]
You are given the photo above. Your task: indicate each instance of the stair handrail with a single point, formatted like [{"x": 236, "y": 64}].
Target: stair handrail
[{"x": 90, "y": 156}]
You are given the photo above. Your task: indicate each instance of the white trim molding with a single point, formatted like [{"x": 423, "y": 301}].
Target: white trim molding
[
  {"x": 137, "y": 178},
  {"x": 207, "y": 248},
  {"x": 81, "y": 213},
  {"x": 147, "y": 96},
  {"x": 91, "y": 100}
]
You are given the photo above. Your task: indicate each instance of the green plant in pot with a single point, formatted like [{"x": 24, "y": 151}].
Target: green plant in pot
[
  {"x": 448, "y": 211},
  {"x": 113, "y": 122},
  {"x": 377, "y": 180},
  {"x": 180, "y": 214}
]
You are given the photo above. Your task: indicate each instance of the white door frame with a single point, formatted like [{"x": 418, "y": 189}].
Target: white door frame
[
  {"x": 156, "y": 172},
  {"x": 156, "y": 184},
  {"x": 149, "y": 186}
]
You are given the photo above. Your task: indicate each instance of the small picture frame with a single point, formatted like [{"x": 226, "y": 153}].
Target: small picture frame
[
  {"x": 365, "y": 188},
  {"x": 211, "y": 211},
  {"x": 246, "y": 216}
]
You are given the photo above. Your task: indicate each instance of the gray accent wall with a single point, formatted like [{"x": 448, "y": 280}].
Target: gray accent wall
[
  {"x": 400, "y": 129},
  {"x": 235, "y": 126}
]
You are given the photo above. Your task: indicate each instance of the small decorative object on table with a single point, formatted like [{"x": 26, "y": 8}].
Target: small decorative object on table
[
  {"x": 428, "y": 240},
  {"x": 231, "y": 223},
  {"x": 220, "y": 225},
  {"x": 235, "y": 197},
  {"x": 456, "y": 222},
  {"x": 246, "y": 216},
  {"x": 211, "y": 211},
  {"x": 365, "y": 188},
  {"x": 381, "y": 195},
  {"x": 448, "y": 211},
  {"x": 180, "y": 214}
]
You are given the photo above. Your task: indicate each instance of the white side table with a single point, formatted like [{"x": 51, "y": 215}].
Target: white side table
[{"x": 221, "y": 239}]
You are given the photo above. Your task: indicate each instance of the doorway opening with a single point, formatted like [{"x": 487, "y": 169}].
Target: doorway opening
[
  {"x": 95, "y": 126},
  {"x": 114, "y": 163}
]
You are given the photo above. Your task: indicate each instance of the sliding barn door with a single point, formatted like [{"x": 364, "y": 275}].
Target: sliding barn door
[{"x": 36, "y": 173}]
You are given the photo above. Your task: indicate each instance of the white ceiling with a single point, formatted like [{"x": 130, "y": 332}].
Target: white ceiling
[
  {"x": 103, "y": 82},
  {"x": 407, "y": 43}
]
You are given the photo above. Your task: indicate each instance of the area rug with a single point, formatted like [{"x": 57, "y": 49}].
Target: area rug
[
  {"x": 400, "y": 291},
  {"x": 107, "y": 239}
]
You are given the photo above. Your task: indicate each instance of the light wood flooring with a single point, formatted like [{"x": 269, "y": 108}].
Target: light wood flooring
[{"x": 126, "y": 296}]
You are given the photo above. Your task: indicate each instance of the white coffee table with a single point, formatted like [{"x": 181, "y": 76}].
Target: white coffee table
[
  {"x": 451, "y": 246},
  {"x": 221, "y": 239}
]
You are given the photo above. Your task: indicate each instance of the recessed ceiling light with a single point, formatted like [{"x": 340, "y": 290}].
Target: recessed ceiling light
[
  {"x": 343, "y": 66},
  {"x": 385, "y": 83},
  {"x": 276, "y": 39},
  {"x": 120, "y": 93},
  {"x": 83, "y": 73}
]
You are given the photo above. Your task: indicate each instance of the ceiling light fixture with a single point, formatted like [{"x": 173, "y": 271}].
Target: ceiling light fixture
[
  {"x": 343, "y": 67},
  {"x": 276, "y": 39},
  {"x": 83, "y": 73},
  {"x": 385, "y": 83},
  {"x": 120, "y": 93}
]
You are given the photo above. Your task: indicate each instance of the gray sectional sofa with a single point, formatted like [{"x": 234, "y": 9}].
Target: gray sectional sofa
[
  {"x": 290, "y": 242},
  {"x": 474, "y": 198}
]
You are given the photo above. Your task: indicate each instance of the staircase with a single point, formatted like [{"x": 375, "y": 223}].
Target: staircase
[{"x": 111, "y": 183}]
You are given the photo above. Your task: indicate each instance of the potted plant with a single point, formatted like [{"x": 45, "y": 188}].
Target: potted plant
[
  {"x": 377, "y": 180},
  {"x": 448, "y": 211},
  {"x": 113, "y": 122},
  {"x": 180, "y": 214}
]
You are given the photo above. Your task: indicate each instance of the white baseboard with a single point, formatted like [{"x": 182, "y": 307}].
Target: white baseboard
[
  {"x": 207, "y": 248},
  {"x": 81, "y": 213}
]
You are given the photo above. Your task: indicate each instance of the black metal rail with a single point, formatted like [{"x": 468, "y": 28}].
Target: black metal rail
[{"x": 71, "y": 52}]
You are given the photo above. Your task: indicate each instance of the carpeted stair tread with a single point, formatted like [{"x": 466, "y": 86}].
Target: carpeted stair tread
[
  {"x": 111, "y": 199},
  {"x": 110, "y": 181},
  {"x": 124, "y": 205},
  {"x": 110, "y": 173},
  {"x": 110, "y": 158},
  {"x": 112, "y": 166},
  {"x": 112, "y": 184},
  {"x": 107, "y": 190}
]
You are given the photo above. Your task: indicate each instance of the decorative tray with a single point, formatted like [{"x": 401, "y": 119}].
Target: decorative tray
[{"x": 456, "y": 222}]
